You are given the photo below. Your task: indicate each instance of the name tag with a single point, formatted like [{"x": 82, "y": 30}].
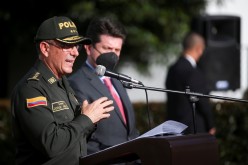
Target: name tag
[{"x": 59, "y": 106}]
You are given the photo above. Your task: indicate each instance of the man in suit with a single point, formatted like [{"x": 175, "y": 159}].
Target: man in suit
[
  {"x": 184, "y": 72},
  {"x": 107, "y": 37}
]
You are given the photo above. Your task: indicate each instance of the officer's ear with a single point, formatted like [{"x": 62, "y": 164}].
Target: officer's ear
[{"x": 44, "y": 48}]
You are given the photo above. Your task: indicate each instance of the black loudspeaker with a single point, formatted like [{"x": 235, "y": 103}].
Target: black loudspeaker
[{"x": 221, "y": 59}]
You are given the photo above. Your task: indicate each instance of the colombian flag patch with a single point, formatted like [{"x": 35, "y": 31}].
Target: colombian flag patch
[{"x": 36, "y": 101}]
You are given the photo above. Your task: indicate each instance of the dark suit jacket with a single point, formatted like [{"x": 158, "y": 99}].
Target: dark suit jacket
[
  {"x": 113, "y": 130},
  {"x": 180, "y": 75}
]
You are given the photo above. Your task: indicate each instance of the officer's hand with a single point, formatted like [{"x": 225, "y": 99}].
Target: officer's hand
[{"x": 97, "y": 110}]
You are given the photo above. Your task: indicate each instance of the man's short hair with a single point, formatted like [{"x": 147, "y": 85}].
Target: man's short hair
[
  {"x": 191, "y": 39},
  {"x": 105, "y": 26}
]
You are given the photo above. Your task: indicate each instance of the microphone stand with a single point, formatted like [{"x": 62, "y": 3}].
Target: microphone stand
[{"x": 193, "y": 96}]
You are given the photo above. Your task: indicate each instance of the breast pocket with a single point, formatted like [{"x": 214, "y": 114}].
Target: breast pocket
[{"x": 62, "y": 112}]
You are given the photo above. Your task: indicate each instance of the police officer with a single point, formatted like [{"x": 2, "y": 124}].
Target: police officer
[{"x": 49, "y": 125}]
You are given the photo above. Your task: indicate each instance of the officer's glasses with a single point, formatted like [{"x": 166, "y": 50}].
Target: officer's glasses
[{"x": 65, "y": 47}]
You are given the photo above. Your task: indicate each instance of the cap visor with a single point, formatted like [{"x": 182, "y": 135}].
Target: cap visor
[{"x": 75, "y": 40}]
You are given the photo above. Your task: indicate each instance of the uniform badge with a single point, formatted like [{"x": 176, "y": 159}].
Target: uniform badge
[
  {"x": 36, "y": 101},
  {"x": 59, "y": 106},
  {"x": 52, "y": 80}
]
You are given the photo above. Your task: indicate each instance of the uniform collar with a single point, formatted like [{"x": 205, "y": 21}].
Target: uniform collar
[{"x": 46, "y": 72}]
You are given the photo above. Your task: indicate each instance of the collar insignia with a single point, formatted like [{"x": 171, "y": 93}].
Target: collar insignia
[
  {"x": 52, "y": 80},
  {"x": 35, "y": 76}
]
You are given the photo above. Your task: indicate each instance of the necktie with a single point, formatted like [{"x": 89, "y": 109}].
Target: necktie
[{"x": 110, "y": 87}]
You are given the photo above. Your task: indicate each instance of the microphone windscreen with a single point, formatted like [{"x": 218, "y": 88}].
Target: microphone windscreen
[{"x": 100, "y": 70}]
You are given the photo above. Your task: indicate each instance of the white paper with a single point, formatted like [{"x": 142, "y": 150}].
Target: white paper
[{"x": 167, "y": 128}]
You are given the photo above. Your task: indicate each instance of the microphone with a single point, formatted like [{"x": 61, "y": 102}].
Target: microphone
[{"x": 101, "y": 71}]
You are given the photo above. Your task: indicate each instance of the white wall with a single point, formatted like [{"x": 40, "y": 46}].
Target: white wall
[
  {"x": 157, "y": 79},
  {"x": 158, "y": 72}
]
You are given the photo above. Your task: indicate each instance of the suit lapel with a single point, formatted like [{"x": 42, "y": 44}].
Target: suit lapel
[
  {"x": 95, "y": 81},
  {"x": 97, "y": 84}
]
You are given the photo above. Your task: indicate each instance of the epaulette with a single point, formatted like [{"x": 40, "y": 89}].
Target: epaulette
[{"x": 35, "y": 76}]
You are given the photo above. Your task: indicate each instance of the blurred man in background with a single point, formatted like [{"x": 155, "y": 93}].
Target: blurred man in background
[{"x": 184, "y": 72}]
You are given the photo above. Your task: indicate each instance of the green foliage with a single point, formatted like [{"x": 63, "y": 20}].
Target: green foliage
[
  {"x": 148, "y": 117},
  {"x": 155, "y": 28},
  {"x": 232, "y": 122}
]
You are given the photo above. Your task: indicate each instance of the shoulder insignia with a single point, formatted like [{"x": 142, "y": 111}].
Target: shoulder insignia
[
  {"x": 36, "y": 101},
  {"x": 35, "y": 76},
  {"x": 52, "y": 80}
]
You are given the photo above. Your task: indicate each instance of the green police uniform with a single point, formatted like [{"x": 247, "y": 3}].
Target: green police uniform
[{"x": 47, "y": 123}]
